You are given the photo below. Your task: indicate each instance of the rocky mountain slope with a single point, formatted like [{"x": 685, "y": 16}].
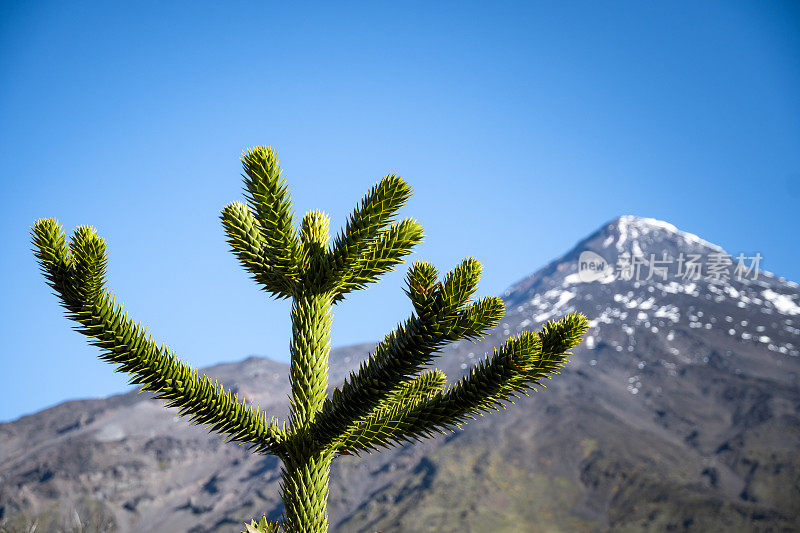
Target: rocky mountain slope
[{"x": 680, "y": 412}]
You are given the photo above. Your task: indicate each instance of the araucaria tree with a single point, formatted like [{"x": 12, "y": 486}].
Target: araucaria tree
[{"x": 391, "y": 399}]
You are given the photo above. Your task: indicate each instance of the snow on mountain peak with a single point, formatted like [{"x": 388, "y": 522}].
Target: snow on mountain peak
[
  {"x": 628, "y": 231},
  {"x": 639, "y": 251}
]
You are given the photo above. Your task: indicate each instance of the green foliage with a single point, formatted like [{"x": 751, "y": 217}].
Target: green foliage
[
  {"x": 269, "y": 200},
  {"x": 261, "y": 527},
  {"x": 76, "y": 273},
  {"x": 389, "y": 400},
  {"x": 519, "y": 364}
]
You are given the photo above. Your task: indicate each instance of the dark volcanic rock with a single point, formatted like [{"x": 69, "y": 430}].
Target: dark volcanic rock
[{"x": 680, "y": 412}]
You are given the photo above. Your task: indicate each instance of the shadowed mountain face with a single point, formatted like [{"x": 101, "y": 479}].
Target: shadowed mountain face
[{"x": 680, "y": 411}]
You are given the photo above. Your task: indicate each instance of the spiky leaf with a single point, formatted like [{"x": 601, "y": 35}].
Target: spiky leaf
[
  {"x": 518, "y": 365},
  {"x": 387, "y": 252},
  {"x": 355, "y": 247},
  {"x": 245, "y": 237},
  {"x": 76, "y": 276},
  {"x": 268, "y": 197},
  {"x": 404, "y": 352},
  {"x": 262, "y": 526}
]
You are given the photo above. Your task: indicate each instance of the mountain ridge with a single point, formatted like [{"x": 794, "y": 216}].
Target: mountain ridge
[{"x": 663, "y": 419}]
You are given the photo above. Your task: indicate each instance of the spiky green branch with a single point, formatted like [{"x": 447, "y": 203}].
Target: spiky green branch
[
  {"x": 77, "y": 274},
  {"x": 389, "y": 400},
  {"x": 518, "y": 365},
  {"x": 442, "y": 317}
]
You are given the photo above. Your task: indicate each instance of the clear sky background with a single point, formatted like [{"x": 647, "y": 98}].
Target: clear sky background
[{"x": 522, "y": 127}]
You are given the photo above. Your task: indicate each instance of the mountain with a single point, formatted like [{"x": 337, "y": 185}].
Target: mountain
[{"x": 680, "y": 412}]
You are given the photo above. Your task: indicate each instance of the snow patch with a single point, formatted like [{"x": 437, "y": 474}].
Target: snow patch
[
  {"x": 783, "y": 303},
  {"x": 563, "y": 298},
  {"x": 632, "y": 227}
]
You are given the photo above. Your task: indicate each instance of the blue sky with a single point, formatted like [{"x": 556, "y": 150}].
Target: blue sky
[{"x": 522, "y": 127}]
